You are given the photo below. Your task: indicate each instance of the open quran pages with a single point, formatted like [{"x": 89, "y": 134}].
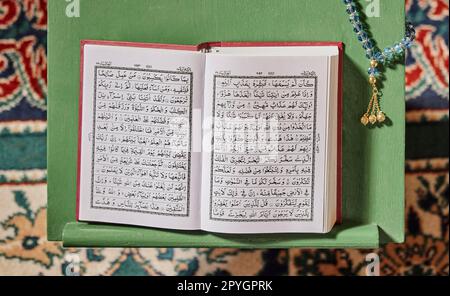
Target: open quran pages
[{"x": 236, "y": 139}]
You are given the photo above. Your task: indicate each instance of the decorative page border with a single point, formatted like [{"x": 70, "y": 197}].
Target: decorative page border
[
  {"x": 305, "y": 75},
  {"x": 189, "y": 147}
]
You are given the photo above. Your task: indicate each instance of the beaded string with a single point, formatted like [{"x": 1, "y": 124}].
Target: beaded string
[{"x": 387, "y": 56}]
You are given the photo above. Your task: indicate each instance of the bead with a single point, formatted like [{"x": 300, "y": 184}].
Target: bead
[
  {"x": 373, "y": 72},
  {"x": 367, "y": 45},
  {"x": 362, "y": 36},
  {"x": 410, "y": 31},
  {"x": 406, "y": 42},
  {"x": 372, "y": 80},
  {"x": 364, "y": 119},
  {"x": 388, "y": 54},
  {"x": 398, "y": 49},
  {"x": 372, "y": 119},
  {"x": 373, "y": 63},
  {"x": 379, "y": 57},
  {"x": 381, "y": 117},
  {"x": 357, "y": 28},
  {"x": 354, "y": 16}
]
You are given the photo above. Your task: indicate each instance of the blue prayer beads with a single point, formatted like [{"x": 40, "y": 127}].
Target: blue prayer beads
[
  {"x": 389, "y": 54},
  {"x": 376, "y": 56}
]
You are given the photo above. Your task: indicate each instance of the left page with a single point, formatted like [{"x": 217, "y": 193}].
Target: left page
[{"x": 139, "y": 145}]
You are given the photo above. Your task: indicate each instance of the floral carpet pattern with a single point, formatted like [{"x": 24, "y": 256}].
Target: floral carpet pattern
[{"x": 24, "y": 249}]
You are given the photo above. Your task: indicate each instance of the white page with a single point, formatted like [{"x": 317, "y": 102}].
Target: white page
[
  {"x": 252, "y": 189},
  {"x": 140, "y": 120},
  {"x": 332, "y": 144}
]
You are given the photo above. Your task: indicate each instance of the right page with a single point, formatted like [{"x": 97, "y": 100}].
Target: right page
[{"x": 265, "y": 142}]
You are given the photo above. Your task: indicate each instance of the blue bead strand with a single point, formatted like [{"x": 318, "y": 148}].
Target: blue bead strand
[
  {"x": 389, "y": 54},
  {"x": 386, "y": 56}
]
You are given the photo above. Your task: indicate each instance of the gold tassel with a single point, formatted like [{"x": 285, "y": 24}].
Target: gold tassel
[{"x": 373, "y": 113}]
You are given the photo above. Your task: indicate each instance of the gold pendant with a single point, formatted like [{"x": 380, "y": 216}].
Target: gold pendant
[{"x": 373, "y": 113}]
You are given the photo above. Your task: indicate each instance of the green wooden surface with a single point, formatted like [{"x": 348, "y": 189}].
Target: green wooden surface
[
  {"x": 75, "y": 234},
  {"x": 373, "y": 172}
]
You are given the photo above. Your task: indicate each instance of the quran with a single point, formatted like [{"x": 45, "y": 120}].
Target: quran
[{"x": 227, "y": 137}]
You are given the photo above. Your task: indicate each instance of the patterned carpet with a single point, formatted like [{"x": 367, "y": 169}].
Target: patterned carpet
[{"x": 24, "y": 249}]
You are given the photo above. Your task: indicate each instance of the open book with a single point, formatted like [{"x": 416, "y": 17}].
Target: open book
[{"x": 223, "y": 137}]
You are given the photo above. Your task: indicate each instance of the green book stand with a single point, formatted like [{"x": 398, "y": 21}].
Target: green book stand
[{"x": 373, "y": 158}]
